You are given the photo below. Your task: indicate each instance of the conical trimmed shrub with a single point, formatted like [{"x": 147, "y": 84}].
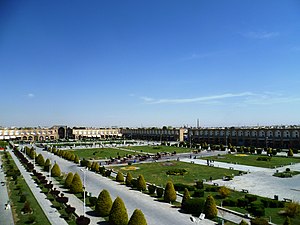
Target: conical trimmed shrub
[
  {"x": 186, "y": 196},
  {"x": 118, "y": 214},
  {"x": 47, "y": 165},
  {"x": 69, "y": 180},
  {"x": 76, "y": 160},
  {"x": 141, "y": 183},
  {"x": 128, "y": 179},
  {"x": 76, "y": 186},
  {"x": 120, "y": 177},
  {"x": 137, "y": 218},
  {"x": 170, "y": 193},
  {"x": 210, "y": 208},
  {"x": 40, "y": 160},
  {"x": 103, "y": 204},
  {"x": 55, "y": 171}
]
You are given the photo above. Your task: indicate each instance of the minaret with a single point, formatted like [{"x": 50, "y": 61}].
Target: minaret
[{"x": 198, "y": 123}]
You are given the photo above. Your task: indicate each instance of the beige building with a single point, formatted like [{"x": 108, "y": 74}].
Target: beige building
[
  {"x": 102, "y": 133},
  {"x": 155, "y": 134},
  {"x": 272, "y": 136},
  {"x": 29, "y": 134}
]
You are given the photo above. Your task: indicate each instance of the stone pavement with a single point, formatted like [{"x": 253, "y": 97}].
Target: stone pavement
[
  {"x": 6, "y": 217},
  {"x": 52, "y": 214},
  {"x": 259, "y": 181}
]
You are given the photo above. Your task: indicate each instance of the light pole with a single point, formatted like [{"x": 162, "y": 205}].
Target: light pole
[{"x": 84, "y": 177}]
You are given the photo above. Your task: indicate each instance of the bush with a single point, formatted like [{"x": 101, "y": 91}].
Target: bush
[
  {"x": 31, "y": 219},
  {"x": 263, "y": 158},
  {"x": 193, "y": 206},
  {"x": 287, "y": 221},
  {"x": 210, "y": 208},
  {"x": 55, "y": 171},
  {"x": 259, "y": 221},
  {"x": 151, "y": 189},
  {"x": 40, "y": 160},
  {"x": 258, "y": 151},
  {"x": 181, "y": 187},
  {"x": 141, "y": 183},
  {"x": 186, "y": 196},
  {"x": 118, "y": 214},
  {"x": 23, "y": 198},
  {"x": 26, "y": 208},
  {"x": 159, "y": 192},
  {"x": 198, "y": 193},
  {"x": 170, "y": 193},
  {"x": 212, "y": 189},
  {"x": 199, "y": 185},
  {"x": 243, "y": 222},
  {"x": 128, "y": 179},
  {"x": 290, "y": 153},
  {"x": 176, "y": 172},
  {"x": 120, "y": 177},
  {"x": 103, "y": 204},
  {"x": 242, "y": 202},
  {"x": 69, "y": 180},
  {"x": 82, "y": 220},
  {"x": 229, "y": 202},
  {"x": 257, "y": 208},
  {"x": 292, "y": 209},
  {"x": 92, "y": 201},
  {"x": 76, "y": 186},
  {"x": 251, "y": 198},
  {"x": 137, "y": 218},
  {"x": 224, "y": 192}
]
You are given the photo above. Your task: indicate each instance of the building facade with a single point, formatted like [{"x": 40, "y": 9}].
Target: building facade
[
  {"x": 100, "y": 133},
  {"x": 155, "y": 134},
  {"x": 29, "y": 134},
  {"x": 273, "y": 136}
]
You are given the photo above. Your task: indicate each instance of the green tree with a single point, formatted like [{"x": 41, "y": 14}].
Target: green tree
[
  {"x": 224, "y": 192},
  {"x": 141, "y": 183},
  {"x": 210, "y": 208},
  {"x": 40, "y": 160},
  {"x": 76, "y": 186},
  {"x": 128, "y": 179},
  {"x": 292, "y": 209},
  {"x": 287, "y": 221},
  {"x": 96, "y": 169},
  {"x": 170, "y": 193},
  {"x": 137, "y": 218},
  {"x": 186, "y": 196},
  {"x": 47, "y": 165},
  {"x": 76, "y": 160},
  {"x": 259, "y": 221},
  {"x": 69, "y": 180},
  {"x": 118, "y": 214},
  {"x": 55, "y": 171},
  {"x": 120, "y": 177},
  {"x": 103, "y": 204}
]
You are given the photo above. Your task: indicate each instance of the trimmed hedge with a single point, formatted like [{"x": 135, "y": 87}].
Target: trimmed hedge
[{"x": 193, "y": 206}]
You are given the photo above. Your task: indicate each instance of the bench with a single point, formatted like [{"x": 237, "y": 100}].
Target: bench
[
  {"x": 245, "y": 191},
  {"x": 231, "y": 168}
]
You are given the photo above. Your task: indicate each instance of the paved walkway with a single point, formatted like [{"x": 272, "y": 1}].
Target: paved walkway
[
  {"x": 72, "y": 199},
  {"x": 260, "y": 181},
  {"x": 52, "y": 214},
  {"x": 6, "y": 217}
]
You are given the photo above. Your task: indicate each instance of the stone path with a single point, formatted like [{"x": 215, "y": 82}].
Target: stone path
[{"x": 6, "y": 217}]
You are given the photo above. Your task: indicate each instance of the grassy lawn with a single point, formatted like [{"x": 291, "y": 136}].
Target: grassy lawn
[
  {"x": 160, "y": 148},
  {"x": 156, "y": 172},
  {"x": 251, "y": 160},
  {"x": 18, "y": 187},
  {"x": 101, "y": 153}
]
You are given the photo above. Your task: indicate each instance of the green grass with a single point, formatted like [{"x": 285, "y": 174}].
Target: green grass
[
  {"x": 3, "y": 144},
  {"x": 160, "y": 148},
  {"x": 14, "y": 190},
  {"x": 101, "y": 153},
  {"x": 156, "y": 172},
  {"x": 251, "y": 160}
]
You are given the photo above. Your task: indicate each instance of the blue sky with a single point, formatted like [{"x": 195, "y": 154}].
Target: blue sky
[{"x": 149, "y": 63}]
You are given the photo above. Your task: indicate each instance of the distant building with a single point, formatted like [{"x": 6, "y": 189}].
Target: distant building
[
  {"x": 155, "y": 134},
  {"x": 273, "y": 136},
  {"x": 84, "y": 132}
]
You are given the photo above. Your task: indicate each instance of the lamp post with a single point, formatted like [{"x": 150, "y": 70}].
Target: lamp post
[{"x": 84, "y": 177}]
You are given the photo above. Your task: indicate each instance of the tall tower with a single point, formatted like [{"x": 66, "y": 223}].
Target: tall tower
[{"x": 198, "y": 123}]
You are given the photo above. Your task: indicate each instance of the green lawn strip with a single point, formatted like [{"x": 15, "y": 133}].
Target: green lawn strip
[
  {"x": 14, "y": 195},
  {"x": 155, "y": 173},
  {"x": 286, "y": 174},
  {"x": 251, "y": 160},
  {"x": 160, "y": 148},
  {"x": 101, "y": 153}
]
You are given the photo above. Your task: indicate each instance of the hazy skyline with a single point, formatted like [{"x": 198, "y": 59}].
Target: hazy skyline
[{"x": 137, "y": 63}]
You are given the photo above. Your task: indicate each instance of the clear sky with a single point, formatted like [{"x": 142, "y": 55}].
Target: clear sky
[{"x": 149, "y": 63}]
